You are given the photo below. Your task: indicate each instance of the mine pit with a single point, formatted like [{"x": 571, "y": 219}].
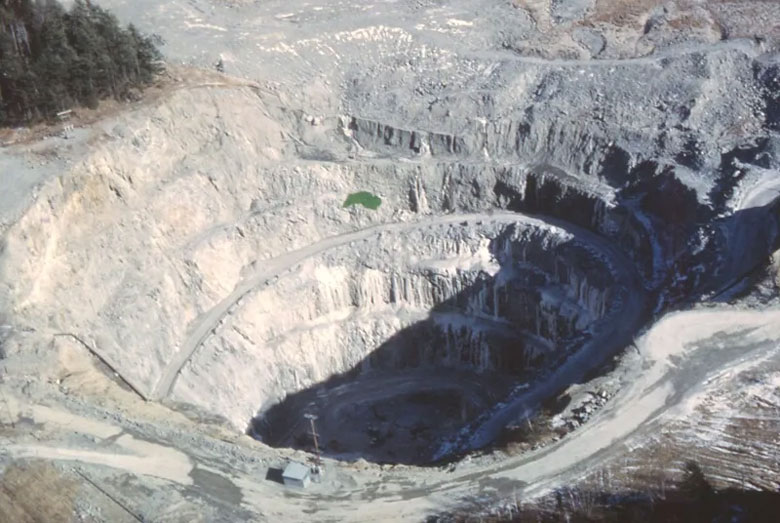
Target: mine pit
[
  {"x": 418, "y": 334},
  {"x": 518, "y": 259}
]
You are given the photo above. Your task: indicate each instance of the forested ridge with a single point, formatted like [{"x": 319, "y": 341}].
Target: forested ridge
[{"x": 52, "y": 59}]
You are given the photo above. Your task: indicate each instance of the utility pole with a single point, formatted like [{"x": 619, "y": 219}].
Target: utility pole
[
  {"x": 316, "y": 470},
  {"x": 311, "y": 418}
]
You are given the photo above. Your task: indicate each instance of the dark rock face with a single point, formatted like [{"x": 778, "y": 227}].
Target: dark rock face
[
  {"x": 768, "y": 77},
  {"x": 666, "y": 198},
  {"x": 550, "y": 293}
]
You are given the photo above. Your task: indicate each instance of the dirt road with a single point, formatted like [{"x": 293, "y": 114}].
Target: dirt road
[
  {"x": 205, "y": 325},
  {"x": 681, "y": 354}
]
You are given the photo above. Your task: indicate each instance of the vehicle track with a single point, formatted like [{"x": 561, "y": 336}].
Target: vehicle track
[
  {"x": 205, "y": 325},
  {"x": 678, "y": 361}
]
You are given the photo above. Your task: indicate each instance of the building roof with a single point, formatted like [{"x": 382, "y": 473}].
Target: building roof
[{"x": 295, "y": 470}]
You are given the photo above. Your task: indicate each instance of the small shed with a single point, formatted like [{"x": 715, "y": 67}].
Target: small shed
[{"x": 296, "y": 475}]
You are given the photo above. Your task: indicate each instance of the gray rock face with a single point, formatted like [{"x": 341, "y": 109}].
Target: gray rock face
[{"x": 552, "y": 175}]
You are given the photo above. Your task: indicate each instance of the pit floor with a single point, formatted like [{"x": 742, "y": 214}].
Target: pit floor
[{"x": 383, "y": 416}]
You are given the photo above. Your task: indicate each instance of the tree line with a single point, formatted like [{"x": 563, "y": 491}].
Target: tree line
[{"x": 52, "y": 59}]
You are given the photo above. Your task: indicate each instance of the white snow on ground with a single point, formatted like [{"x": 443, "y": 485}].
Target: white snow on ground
[
  {"x": 671, "y": 340},
  {"x": 675, "y": 339}
]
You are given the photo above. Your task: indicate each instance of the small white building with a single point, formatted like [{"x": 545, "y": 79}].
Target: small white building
[{"x": 296, "y": 475}]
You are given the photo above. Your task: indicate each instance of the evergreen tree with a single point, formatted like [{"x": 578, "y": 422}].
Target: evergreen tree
[
  {"x": 147, "y": 55},
  {"x": 12, "y": 72},
  {"x": 51, "y": 59},
  {"x": 55, "y": 57}
]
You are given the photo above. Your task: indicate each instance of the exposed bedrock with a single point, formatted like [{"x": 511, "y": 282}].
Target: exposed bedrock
[
  {"x": 146, "y": 252},
  {"x": 658, "y": 210},
  {"x": 198, "y": 252},
  {"x": 498, "y": 304}
]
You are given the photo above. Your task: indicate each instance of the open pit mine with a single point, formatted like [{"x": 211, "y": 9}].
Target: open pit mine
[{"x": 555, "y": 293}]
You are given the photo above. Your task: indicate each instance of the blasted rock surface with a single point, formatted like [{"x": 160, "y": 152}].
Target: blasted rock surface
[{"x": 554, "y": 177}]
